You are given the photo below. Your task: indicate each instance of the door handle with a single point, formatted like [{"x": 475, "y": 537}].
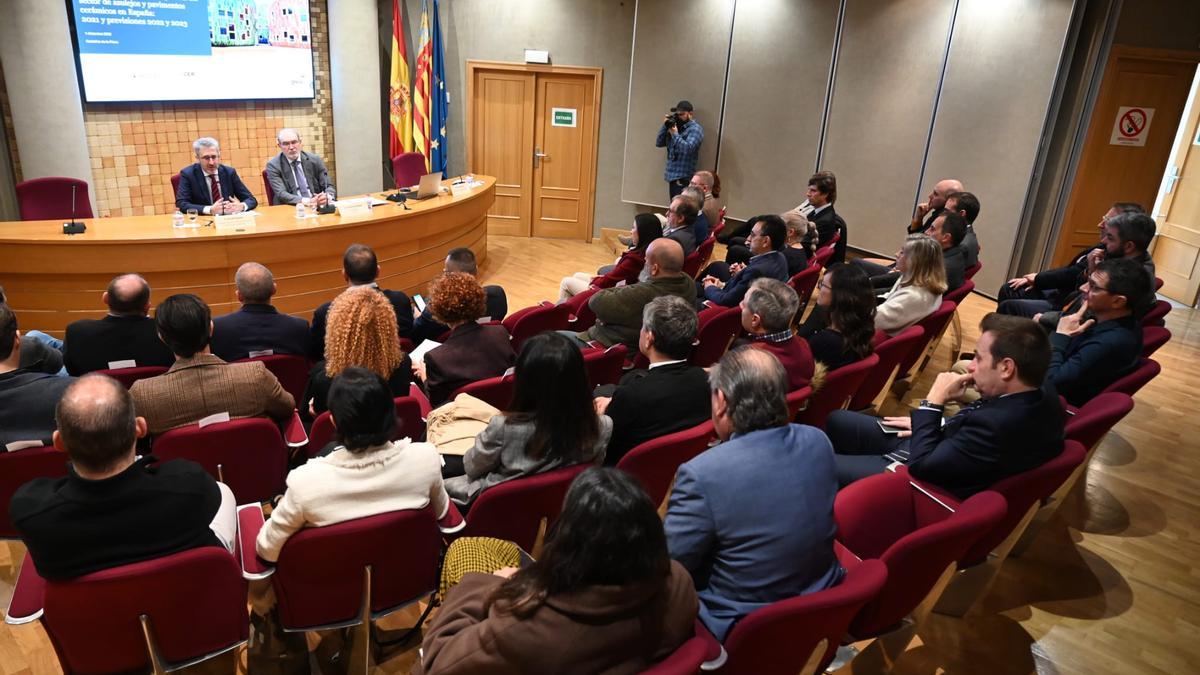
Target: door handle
[
  {"x": 1172, "y": 178},
  {"x": 538, "y": 155}
]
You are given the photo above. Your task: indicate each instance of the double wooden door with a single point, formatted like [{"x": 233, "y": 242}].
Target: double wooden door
[{"x": 536, "y": 129}]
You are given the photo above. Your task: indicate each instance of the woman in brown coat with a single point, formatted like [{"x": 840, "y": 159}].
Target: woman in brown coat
[{"x": 605, "y": 597}]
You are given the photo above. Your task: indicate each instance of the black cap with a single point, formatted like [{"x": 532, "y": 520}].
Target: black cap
[{"x": 685, "y": 106}]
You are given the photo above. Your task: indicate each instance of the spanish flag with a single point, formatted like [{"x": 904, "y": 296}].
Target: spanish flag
[
  {"x": 421, "y": 88},
  {"x": 400, "y": 96}
]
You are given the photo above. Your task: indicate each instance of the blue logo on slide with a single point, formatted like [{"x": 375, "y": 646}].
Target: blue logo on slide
[{"x": 167, "y": 27}]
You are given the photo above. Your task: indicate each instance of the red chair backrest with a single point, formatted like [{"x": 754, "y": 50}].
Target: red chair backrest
[
  {"x": 796, "y": 400},
  {"x": 319, "y": 576},
  {"x": 959, "y": 294},
  {"x": 497, "y": 391},
  {"x": 195, "y": 599},
  {"x": 654, "y": 462},
  {"x": 973, "y": 269},
  {"x": 1157, "y": 314},
  {"x": 804, "y": 282},
  {"x": 1147, "y": 369},
  {"x": 823, "y": 254},
  {"x": 514, "y": 509},
  {"x": 249, "y": 454},
  {"x": 778, "y": 639},
  {"x": 1096, "y": 417},
  {"x": 1153, "y": 338},
  {"x": 933, "y": 324},
  {"x": 290, "y": 370},
  {"x": 50, "y": 198},
  {"x": 408, "y": 424},
  {"x": 18, "y": 468},
  {"x": 604, "y": 366},
  {"x": 175, "y": 178},
  {"x": 695, "y": 260},
  {"x": 839, "y": 386},
  {"x": 685, "y": 660},
  {"x": 530, "y": 321},
  {"x": 407, "y": 168},
  {"x": 267, "y": 189},
  {"x": 578, "y": 307},
  {"x": 890, "y": 351},
  {"x": 718, "y": 327},
  {"x": 127, "y": 376}
]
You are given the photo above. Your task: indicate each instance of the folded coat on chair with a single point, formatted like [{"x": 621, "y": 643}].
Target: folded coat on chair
[{"x": 454, "y": 426}]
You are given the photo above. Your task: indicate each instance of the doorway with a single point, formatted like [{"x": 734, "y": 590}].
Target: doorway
[
  {"x": 1177, "y": 212},
  {"x": 536, "y": 129}
]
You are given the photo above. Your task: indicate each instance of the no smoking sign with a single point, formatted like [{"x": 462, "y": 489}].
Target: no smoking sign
[{"x": 1132, "y": 126}]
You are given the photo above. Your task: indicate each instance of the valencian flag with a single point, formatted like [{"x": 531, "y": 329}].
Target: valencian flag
[
  {"x": 439, "y": 104},
  {"x": 399, "y": 96},
  {"x": 421, "y": 88}
]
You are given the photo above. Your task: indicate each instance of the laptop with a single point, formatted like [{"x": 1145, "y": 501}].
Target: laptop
[{"x": 430, "y": 186}]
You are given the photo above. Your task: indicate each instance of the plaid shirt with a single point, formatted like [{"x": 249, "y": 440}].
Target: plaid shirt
[{"x": 682, "y": 149}]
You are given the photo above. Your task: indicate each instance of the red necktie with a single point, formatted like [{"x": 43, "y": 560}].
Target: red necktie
[{"x": 216, "y": 187}]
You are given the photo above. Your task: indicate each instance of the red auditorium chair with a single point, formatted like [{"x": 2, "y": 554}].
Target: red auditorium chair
[
  {"x": 804, "y": 283},
  {"x": 718, "y": 327},
  {"x": 127, "y": 376},
  {"x": 959, "y": 294},
  {"x": 408, "y": 424},
  {"x": 839, "y": 386},
  {"x": 17, "y": 468},
  {"x": 175, "y": 178},
  {"x": 935, "y": 324},
  {"x": 890, "y": 350},
  {"x": 1157, "y": 314},
  {"x": 686, "y": 659},
  {"x": 885, "y": 517},
  {"x": 267, "y": 189},
  {"x": 496, "y": 391},
  {"x": 523, "y": 509},
  {"x": 604, "y": 366},
  {"x": 581, "y": 316},
  {"x": 290, "y": 370},
  {"x": 719, "y": 226},
  {"x": 49, "y": 198},
  {"x": 654, "y": 462},
  {"x": 1153, "y": 338},
  {"x": 973, "y": 270},
  {"x": 350, "y": 573},
  {"x": 694, "y": 263},
  {"x": 525, "y": 323},
  {"x": 823, "y": 254},
  {"x": 249, "y": 455},
  {"x": 797, "y": 401},
  {"x": 1146, "y": 370},
  {"x": 407, "y": 168}
]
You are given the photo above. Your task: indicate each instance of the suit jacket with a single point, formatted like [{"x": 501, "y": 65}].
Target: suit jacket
[
  {"x": 425, "y": 327},
  {"x": 656, "y": 402},
  {"x": 829, "y": 223},
  {"x": 701, "y": 227},
  {"x": 27, "y": 403},
  {"x": 987, "y": 441},
  {"x": 686, "y": 236},
  {"x": 1082, "y": 366},
  {"x": 400, "y": 304},
  {"x": 956, "y": 267},
  {"x": 796, "y": 357},
  {"x": 471, "y": 353},
  {"x": 283, "y": 180},
  {"x": 752, "y": 520},
  {"x": 204, "y": 385},
  {"x": 771, "y": 264},
  {"x": 619, "y": 310},
  {"x": 970, "y": 247},
  {"x": 90, "y": 344},
  {"x": 193, "y": 188},
  {"x": 256, "y": 328}
]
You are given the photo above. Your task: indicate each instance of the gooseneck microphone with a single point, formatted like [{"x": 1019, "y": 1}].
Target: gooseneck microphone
[{"x": 73, "y": 227}]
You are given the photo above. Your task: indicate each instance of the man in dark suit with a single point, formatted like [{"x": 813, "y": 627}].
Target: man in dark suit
[
  {"x": 681, "y": 216},
  {"x": 210, "y": 187},
  {"x": 752, "y": 518},
  {"x": 126, "y": 334},
  {"x": 360, "y": 267},
  {"x": 257, "y": 329},
  {"x": 933, "y": 205},
  {"x": 948, "y": 230},
  {"x": 295, "y": 175},
  {"x": 671, "y": 395},
  {"x": 1016, "y": 426},
  {"x": 822, "y": 193},
  {"x": 766, "y": 240},
  {"x": 966, "y": 205},
  {"x": 461, "y": 259},
  {"x": 27, "y": 398}
]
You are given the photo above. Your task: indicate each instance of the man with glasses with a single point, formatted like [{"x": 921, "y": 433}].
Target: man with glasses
[
  {"x": 295, "y": 175},
  {"x": 767, "y": 238},
  {"x": 210, "y": 187},
  {"x": 681, "y": 216}
]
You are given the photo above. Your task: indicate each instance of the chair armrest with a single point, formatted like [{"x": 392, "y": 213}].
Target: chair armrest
[
  {"x": 453, "y": 522},
  {"x": 422, "y": 400},
  {"x": 250, "y": 521},
  {"x": 293, "y": 431},
  {"x": 715, "y": 655},
  {"x": 28, "y": 594}
]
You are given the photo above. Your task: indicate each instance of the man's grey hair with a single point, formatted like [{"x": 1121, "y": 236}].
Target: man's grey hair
[
  {"x": 774, "y": 302},
  {"x": 754, "y": 384},
  {"x": 279, "y": 136},
  {"x": 205, "y": 142},
  {"x": 695, "y": 194},
  {"x": 255, "y": 282},
  {"x": 673, "y": 323}
]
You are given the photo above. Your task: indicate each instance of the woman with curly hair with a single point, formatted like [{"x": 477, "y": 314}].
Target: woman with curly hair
[
  {"x": 845, "y": 300},
  {"x": 361, "y": 331},
  {"x": 472, "y": 352}
]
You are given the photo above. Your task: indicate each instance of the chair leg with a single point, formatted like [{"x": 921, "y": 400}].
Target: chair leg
[
  {"x": 539, "y": 539},
  {"x": 1047, "y": 511},
  {"x": 956, "y": 343},
  {"x": 361, "y": 657},
  {"x": 973, "y": 583},
  {"x": 812, "y": 665},
  {"x": 156, "y": 663}
]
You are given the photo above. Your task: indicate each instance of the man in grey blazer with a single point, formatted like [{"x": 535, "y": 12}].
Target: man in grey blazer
[{"x": 295, "y": 175}]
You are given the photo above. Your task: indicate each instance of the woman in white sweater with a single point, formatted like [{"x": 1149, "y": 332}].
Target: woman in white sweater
[{"x": 918, "y": 291}]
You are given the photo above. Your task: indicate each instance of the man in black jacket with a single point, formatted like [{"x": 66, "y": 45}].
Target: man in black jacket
[
  {"x": 27, "y": 397},
  {"x": 461, "y": 259},
  {"x": 257, "y": 329},
  {"x": 126, "y": 337},
  {"x": 360, "y": 267},
  {"x": 1015, "y": 427}
]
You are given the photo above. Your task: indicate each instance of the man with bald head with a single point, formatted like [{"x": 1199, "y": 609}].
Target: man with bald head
[
  {"x": 295, "y": 175},
  {"x": 257, "y": 329},
  {"x": 112, "y": 509},
  {"x": 619, "y": 310},
  {"x": 932, "y": 207},
  {"x": 124, "y": 338}
]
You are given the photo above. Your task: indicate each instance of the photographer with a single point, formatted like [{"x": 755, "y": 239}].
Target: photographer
[{"x": 681, "y": 135}]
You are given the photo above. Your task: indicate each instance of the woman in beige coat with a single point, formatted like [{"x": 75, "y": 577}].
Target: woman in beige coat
[{"x": 918, "y": 291}]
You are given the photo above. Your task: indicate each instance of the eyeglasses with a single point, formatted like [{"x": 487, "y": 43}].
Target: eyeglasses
[
  {"x": 1093, "y": 286},
  {"x": 826, "y": 285},
  {"x": 210, "y": 157}
]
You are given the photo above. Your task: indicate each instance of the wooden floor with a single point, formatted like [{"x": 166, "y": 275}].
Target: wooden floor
[{"x": 1112, "y": 585}]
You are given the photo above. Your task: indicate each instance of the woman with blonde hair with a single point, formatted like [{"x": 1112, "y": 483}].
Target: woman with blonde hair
[
  {"x": 361, "y": 331},
  {"x": 918, "y": 291}
]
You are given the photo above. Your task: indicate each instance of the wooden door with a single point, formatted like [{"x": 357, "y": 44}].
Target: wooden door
[
  {"x": 1177, "y": 247},
  {"x": 1146, "y": 79},
  {"x": 536, "y": 129}
]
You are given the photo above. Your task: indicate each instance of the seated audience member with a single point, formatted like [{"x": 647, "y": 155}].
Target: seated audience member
[
  {"x": 362, "y": 333},
  {"x": 966, "y": 205},
  {"x": 1016, "y": 425},
  {"x": 367, "y": 474},
  {"x": 360, "y": 268},
  {"x": 702, "y": 226},
  {"x": 646, "y": 228},
  {"x": 210, "y": 187},
  {"x": 619, "y": 310},
  {"x": 752, "y": 518},
  {"x": 257, "y": 327},
  {"x": 114, "y": 508},
  {"x": 934, "y": 205},
  {"x": 840, "y": 329},
  {"x": 296, "y": 175},
  {"x": 41, "y": 353},
  {"x": 27, "y": 398},
  {"x": 709, "y": 184},
  {"x": 821, "y": 195},
  {"x": 767, "y": 312},
  {"x": 1080, "y": 260},
  {"x": 551, "y": 423},
  {"x": 1088, "y": 355},
  {"x": 767, "y": 238},
  {"x": 681, "y": 216},
  {"x": 200, "y": 384},
  {"x": 604, "y": 593},
  {"x": 462, "y": 259},
  {"x": 794, "y": 249},
  {"x": 671, "y": 395},
  {"x": 948, "y": 230},
  {"x": 471, "y": 352},
  {"x": 126, "y": 333},
  {"x": 918, "y": 291}
]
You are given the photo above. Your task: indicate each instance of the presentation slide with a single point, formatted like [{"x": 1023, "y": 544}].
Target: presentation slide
[{"x": 193, "y": 50}]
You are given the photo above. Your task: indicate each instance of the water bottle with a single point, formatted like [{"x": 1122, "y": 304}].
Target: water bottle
[
  {"x": 177, "y": 219},
  {"x": 300, "y": 210}
]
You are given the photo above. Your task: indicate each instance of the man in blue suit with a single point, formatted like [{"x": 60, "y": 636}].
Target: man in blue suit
[
  {"x": 257, "y": 329},
  {"x": 209, "y": 186},
  {"x": 766, "y": 240},
  {"x": 752, "y": 518}
]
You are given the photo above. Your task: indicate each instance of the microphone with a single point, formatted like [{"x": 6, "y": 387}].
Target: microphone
[{"x": 73, "y": 227}]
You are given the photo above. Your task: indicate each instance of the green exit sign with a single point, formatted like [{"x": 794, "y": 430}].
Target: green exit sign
[{"x": 562, "y": 117}]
